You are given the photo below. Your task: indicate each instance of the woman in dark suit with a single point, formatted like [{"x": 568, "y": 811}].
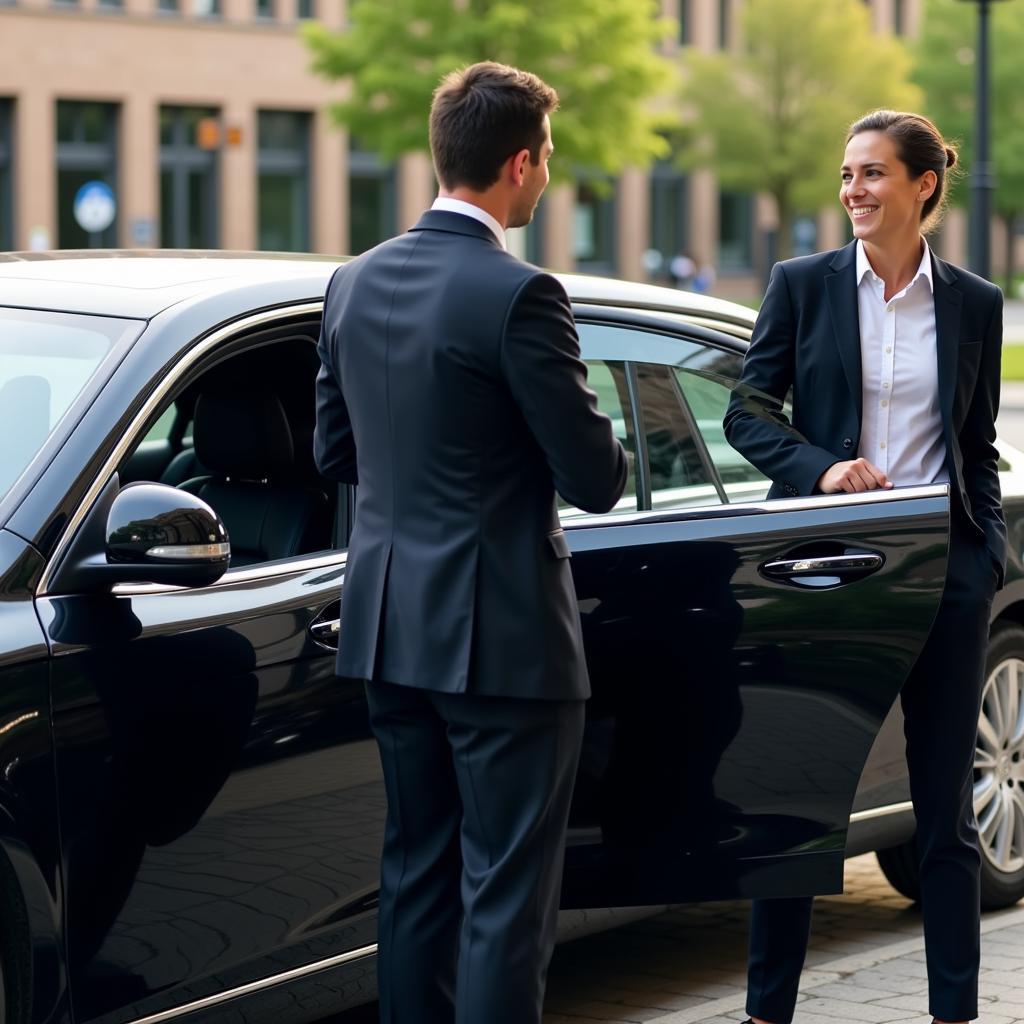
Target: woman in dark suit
[{"x": 893, "y": 358}]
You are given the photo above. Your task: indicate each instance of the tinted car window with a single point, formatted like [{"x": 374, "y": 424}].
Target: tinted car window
[
  {"x": 708, "y": 397},
  {"x": 607, "y": 379},
  {"x": 677, "y": 473}
]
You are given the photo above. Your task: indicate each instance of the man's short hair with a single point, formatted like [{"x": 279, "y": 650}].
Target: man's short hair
[{"x": 482, "y": 115}]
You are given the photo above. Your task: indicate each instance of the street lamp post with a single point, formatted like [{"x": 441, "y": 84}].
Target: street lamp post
[{"x": 983, "y": 179}]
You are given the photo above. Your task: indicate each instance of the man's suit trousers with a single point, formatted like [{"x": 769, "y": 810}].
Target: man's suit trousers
[
  {"x": 941, "y": 701},
  {"x": 478, "y": 802}
]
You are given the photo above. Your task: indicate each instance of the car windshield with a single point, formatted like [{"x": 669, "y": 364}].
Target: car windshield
[{"x": 47, "y": 361}]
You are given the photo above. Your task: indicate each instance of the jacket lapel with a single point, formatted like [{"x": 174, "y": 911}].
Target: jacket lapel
[
  {"x": 948, "y": 303},
  {"x": 841, "y": 289}
]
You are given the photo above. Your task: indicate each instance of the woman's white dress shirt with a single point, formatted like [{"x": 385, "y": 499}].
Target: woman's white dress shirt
[{"x": 901, "y": 426}]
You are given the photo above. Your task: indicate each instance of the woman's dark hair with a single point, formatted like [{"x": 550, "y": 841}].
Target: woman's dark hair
[
  {"x": 482, "y": 115},
  {"x": 921, "y": 147}
]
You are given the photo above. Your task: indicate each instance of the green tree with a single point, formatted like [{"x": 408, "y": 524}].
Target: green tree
[
  {"x": 945, "y": 70},
  {"x": 601, "y": 56},
  {"x": 772, "y": 118}
]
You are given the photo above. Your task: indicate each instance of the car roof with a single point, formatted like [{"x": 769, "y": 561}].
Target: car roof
[{"x": 140, "y": 283}]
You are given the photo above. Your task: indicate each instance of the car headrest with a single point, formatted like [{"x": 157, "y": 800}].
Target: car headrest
[{"x": 242, "y": 436}]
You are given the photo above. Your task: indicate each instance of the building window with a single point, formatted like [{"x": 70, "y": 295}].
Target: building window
[
  {"x": 305, "y": 9},
  {"x": 805, "y": 236},
  {"x": 735, "y": 231},
  {"x": 283, "y": 185},
  {"x": 110, "y": 5},
  {"x": 724, "y": 23},
  {"x": 206, "y": 8},
  {"x": 168, "y": 6},
  {"x": 189, "y": 144},
  {"x": 668, "y": 218},
  {"x": 593, "y": 235},
  {"x": 86, "y": 154},
  {"x": 372, "y": 202},
  {"x": 265, "y": 10},
  {"x": 6, "y": 174}
]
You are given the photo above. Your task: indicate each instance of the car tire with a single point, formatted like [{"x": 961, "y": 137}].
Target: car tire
[{"x": 1002, "y": 877}]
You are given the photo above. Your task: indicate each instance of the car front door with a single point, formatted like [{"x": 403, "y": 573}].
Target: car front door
[
  {"x": 743, "y": 653},
  {"x": 221, "y": 802}
]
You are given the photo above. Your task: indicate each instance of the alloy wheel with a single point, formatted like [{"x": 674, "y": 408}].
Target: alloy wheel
[{"x": 999, "y": 767}]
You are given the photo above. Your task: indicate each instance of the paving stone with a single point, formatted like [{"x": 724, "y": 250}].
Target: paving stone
[{"x": 687, "y": 966}]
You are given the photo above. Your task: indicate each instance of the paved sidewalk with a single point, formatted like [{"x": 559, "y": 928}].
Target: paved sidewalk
[{"x": 866, "y": 964}]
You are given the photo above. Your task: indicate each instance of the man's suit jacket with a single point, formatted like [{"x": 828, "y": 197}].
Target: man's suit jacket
[
  {"x": 453, "y": 393},
  {"x": 807, "y": 337}
]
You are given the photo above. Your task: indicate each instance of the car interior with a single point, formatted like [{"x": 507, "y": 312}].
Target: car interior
[{"x": 240, "y": 436}]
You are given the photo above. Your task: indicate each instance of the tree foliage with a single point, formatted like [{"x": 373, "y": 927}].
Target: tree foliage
[
  {"x": 601, "y": 56},
  {"x": 945, "y": 69},
  {"x": 773, "y": 117}
]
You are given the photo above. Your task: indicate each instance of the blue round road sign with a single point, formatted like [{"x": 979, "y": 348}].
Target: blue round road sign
[{"x": 95, "y": 206}]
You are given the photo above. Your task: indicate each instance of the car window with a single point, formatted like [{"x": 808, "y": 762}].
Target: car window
[
  {"x": 273, "y": 506},
  {"x": 607, "y": 379},
  {"x": 708, "y": 397},
  {"x": 161, "y": 430},
  {"x": 47, "y": 360},
  {"x": 678, "y": 475}
]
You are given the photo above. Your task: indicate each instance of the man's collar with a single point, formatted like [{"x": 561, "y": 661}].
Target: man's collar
[
  {"x": 450, "y": 205},
  {"x": 924, "y": 268}
]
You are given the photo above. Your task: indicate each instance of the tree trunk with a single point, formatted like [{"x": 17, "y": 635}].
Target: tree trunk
[{"x": 1010, "y": 222}]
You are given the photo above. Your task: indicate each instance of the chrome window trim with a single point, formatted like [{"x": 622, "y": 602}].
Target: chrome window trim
[
  {"x": 188, "y": 360},
  {"x": 718, "y": 510},
  {"x": 258, "y": 986},
  {"x": 881, "y": 812}
]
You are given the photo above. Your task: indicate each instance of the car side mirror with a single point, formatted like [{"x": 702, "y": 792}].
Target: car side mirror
[{"x": 145, "y": 533}]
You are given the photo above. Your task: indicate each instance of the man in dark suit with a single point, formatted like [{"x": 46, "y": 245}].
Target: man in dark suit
[{"x": 453, "y": 394}]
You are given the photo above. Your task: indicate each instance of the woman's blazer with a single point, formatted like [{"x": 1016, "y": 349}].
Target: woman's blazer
[{"x": 807, "y": 338}]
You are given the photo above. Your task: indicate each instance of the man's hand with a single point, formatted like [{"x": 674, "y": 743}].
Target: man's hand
[{"x": 852, "y": 477}]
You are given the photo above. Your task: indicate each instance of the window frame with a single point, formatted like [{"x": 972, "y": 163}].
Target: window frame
[
  {"x": 294, "y": 163},
  {"x": 101, "y": 160},
  {"x": 7, "y": 183},
  {"x": 645, "y": 323},
  {"x": 193, "y": 362}
]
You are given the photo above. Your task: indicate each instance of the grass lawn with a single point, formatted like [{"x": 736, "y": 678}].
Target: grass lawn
[{"x": 1013, "y": 362}]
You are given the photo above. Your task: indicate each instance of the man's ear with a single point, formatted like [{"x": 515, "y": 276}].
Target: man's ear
[{"x": 519, "y": 161}]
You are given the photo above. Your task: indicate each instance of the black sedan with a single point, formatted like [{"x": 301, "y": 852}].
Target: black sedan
[{"x": 191, "y": 806}]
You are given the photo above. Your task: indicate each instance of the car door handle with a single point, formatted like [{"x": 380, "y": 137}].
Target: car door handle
[
  {"x": 861, "y": 563},
  {"x": 325, "y": 632}
]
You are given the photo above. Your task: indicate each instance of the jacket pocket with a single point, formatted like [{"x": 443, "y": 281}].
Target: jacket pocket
[{"x": 559, "y": 544}]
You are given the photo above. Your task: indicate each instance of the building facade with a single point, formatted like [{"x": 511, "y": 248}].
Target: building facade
[{"x": 210, "y": 131}]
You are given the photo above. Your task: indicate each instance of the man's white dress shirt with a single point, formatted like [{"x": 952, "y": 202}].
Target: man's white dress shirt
[
  {"x": 469, "y": 210},
  {"x": 901, "y": 430}
]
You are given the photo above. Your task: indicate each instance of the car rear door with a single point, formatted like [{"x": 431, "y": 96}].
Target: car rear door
[{"x": 743, "y": 653}]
